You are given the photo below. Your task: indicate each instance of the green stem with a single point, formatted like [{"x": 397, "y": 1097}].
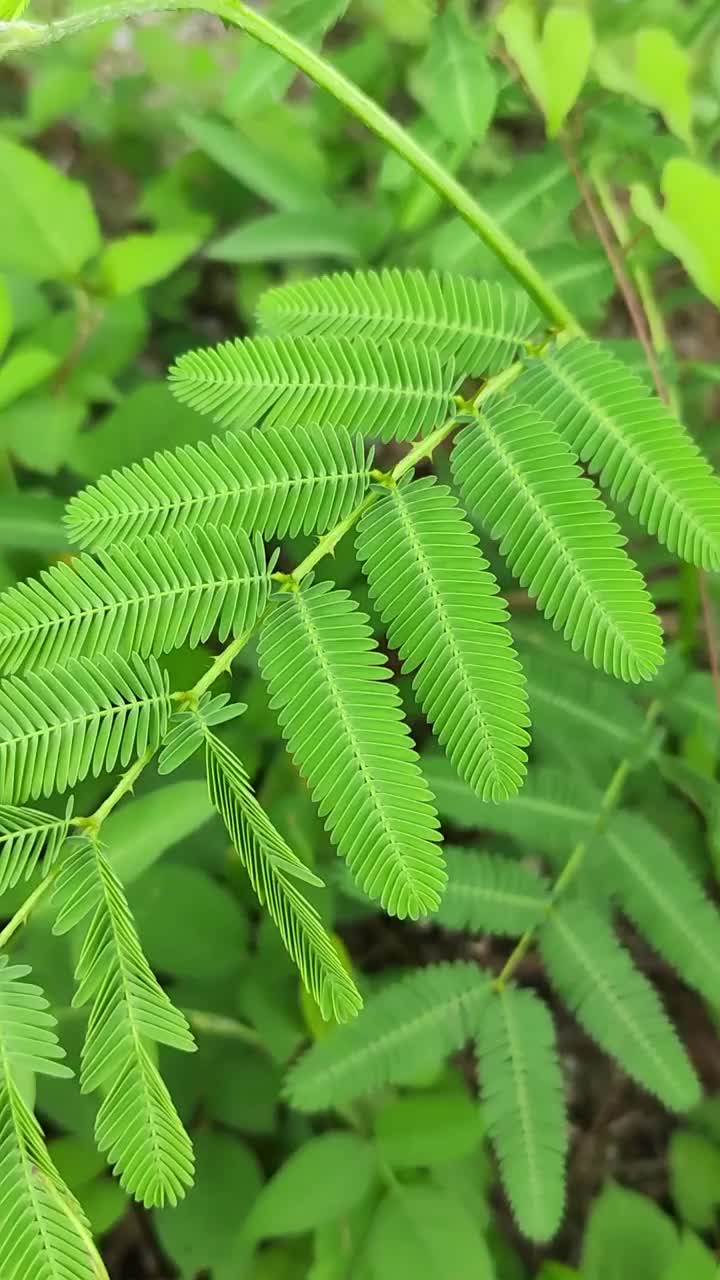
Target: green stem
[
  {"x": 610, "y": 799},
  {"x": 125, "y": 784},
  {"x": 361, "y": 106},
  {"x": 24, "y": 910}
]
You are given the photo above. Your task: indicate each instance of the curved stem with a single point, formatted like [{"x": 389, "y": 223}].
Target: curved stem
[{"x": 358, "y": 103}]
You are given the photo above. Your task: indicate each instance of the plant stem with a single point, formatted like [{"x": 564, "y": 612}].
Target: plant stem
[
  {"x": 125, "y": 784},
  {"x": 24, "y": 909},
  {"x": 361, "y": 106},
  {"x": 608, "y": 804}
]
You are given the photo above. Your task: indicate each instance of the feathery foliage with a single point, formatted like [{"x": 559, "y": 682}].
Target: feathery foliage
[
  {"x": 272, "y": 866},
  {"x": 634, "y": 445},
  {"x": 570, "y": 703},
  {"x": 413, "y": 1024},
  {"x": 345, "y": 729},
  {"x": 43, "y": 1231},
  {"x": 487, "y": 893},
  {"x": 284, "y": 480},
  {"x": 25, "y": 836},
  {"x": 522, "y": 1094},
  {"x": 145, "y": 599},
  {"x": 58, "y": 726},
  {"x": 385, "y": 389},
  {"x": 665, "y": 902},
  {"x": 479, "y": 324},
  {"x": 549, "y": 815},
  {"x": 561, "y": 543},
  {"x": 137, "y": 1124},
  {"x": 435, "y": 592},
  {"x": 615, "y": 1003}
]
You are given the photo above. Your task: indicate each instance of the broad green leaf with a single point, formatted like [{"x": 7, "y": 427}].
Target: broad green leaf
[
  {"x": 320, "y": 1181},
  {"x": 292, "y": 237},
  {"x": 692, "y": 1261},
  {"x": 48, "y": 228},
  {"x": 427, "y": 1129},
  {"x": 141, "y": 830},
  {"x": 213, "y": 941},
  {"x": 6, "y": 315},
  {"x": 694, "y": 1163},
  {"x": 148, "y": 419},
  {"x": 687, "y": 226},
  {"x": 662, "y": 70},
  {"x": 517, "y": 25},
  {"x": 201, "y": 1234},
  {"x": 455, "y": 82},
  {"x": 271, "y": 177},
  {"x": 10, "y": 9},
  {"x": 627, "y": 1238},
  {"x": 40, "y": 430},
  {"x": 32, "y": 522},
  {"x": 418, "y": 1229},
  {"x": 26, "y": 367},
  {"x": 136, "y": 261},
  {"x": 553, "y": 64},
  {"x": 566, "y": 49}
]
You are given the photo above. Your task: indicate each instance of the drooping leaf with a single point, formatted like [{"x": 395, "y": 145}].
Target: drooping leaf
[
  {"x": 48, "y": 228},
  {"x": 487, "y": 893},
  {"x": 615, "y": 1003},
  {"x": 522, "y": 1091},
  {"x": 559, "y": 539},
  {"x": 632, "y": 442},
  {"x": 345, "y": 729},
  {"x": 137, "y": 1125},
  {"x": 413, "y": 1024},
  {"x": 419, "y": 553}
]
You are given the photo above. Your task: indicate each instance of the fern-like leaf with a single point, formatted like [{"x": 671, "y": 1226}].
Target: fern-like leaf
[
  {"x": 655, "y": 889},
  {"x": 283, "y": 481},
  {"x": 43, "y": 1231},
  {"x": 580, "y": 714},
  {"x": 559, "y": 540},
  {"x": 58, "y": 726},
  {"x": 137, "y": 1124},
  {"x": 272, "y": 866},
  {"x": 412, "y": 1025},
  {"x": 150, "y": 598},
  {"x": 388, "y": 390},
  {"x": 549, "y": 815},
  {"x": 346, "y": 731},
  {"x": 615, "y": 1003},
  {"x": 632, "y": 442},
  {"x": 523, "y": 1104},
  {"x": 439, "y": 600},
  {"x": 480, "y": 325},
  {"x": 487, "y": 893},
  {"x": 25, "y": 836}
]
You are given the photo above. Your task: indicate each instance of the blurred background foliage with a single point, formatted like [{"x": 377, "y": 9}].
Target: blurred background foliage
[{"x": 155, "y": 177}]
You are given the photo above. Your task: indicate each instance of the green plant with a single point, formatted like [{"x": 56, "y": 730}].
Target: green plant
[{"x": 173, "y": 554}]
